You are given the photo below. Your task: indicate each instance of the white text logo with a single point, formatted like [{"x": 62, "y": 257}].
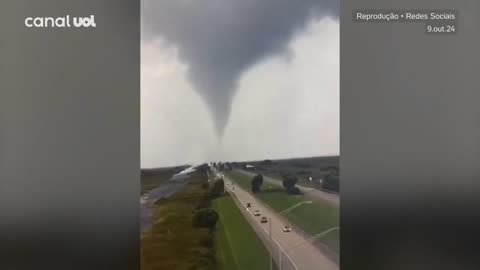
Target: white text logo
[{"x": 61, "y": 22}]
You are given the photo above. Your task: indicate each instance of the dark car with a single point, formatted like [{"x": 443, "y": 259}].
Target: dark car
[
  {"x": 264, "y": 220},
  {"x": 249, "y": 205}
]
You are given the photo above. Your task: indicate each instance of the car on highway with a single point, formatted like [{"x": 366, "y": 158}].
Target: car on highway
[
  {"x": 264, "y": 220},
  {"x": 287, "y": 228},
  {"x": 256, "y": 213},
  {"x": 249, "y": 205}
]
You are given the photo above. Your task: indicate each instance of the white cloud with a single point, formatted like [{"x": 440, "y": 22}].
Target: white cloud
[
  {"x": 290, "y": 108},
  {"x": 281, "y": 109}
]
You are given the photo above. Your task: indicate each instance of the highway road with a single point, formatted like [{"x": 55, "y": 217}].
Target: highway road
[
  {"x": 332, "y": 198},
  {"x": 295, "y": 252}
]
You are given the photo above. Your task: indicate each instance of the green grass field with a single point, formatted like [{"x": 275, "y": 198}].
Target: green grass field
[
  {"x": 237, "y": 245},
  {"x": 312, "y": 218},
  {"x": 172, "y": 242}
]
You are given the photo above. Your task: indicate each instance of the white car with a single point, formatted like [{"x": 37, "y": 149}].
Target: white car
[
  {"x": 287, "y": 228},
  {"x": 256, "y": 213}
]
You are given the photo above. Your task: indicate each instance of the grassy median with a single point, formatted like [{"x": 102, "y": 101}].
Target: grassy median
[
  {"x": 237, "y": 245},
  {"x": 312, "y": 218}
]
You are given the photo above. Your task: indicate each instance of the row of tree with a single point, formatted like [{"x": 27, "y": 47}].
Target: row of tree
[
  {"x": 204, "y": 216},
  {"x": 289, "y": 181}
]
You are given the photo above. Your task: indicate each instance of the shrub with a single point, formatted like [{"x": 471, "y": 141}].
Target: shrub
[{"x": 205, "y": 218}]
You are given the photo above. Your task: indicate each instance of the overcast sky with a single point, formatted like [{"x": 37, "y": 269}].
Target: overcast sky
[{"x": 238, "y": 80}]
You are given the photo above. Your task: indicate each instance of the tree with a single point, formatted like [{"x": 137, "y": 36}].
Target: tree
[
  {"x": 203, "y": 168},
  {"x": 218, "y": 188},
  {"x": 257, "y": 182},
  {"x": 294, "y": 191},
  {"x": 205, "y": 218},
  {"x": 331, "y": 182},
  {"x": 289, "y": 182}
]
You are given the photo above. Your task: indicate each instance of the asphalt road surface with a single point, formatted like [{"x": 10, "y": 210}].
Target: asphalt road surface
[
  {"x": 296, "y": 253},
  {"x": 332, "y": 198}
]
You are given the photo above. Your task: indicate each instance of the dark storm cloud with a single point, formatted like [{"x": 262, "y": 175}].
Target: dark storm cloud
[{"x": 219, "y": 39}]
